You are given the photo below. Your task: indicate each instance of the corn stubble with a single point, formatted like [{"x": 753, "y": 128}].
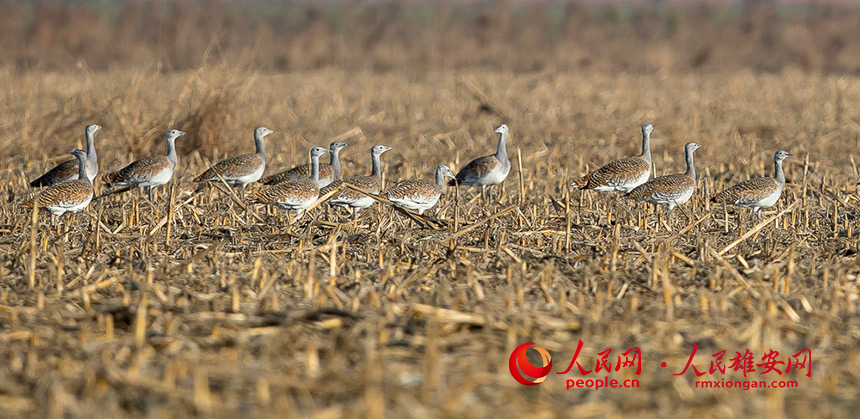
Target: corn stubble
[{"x": 201, "y": 303}]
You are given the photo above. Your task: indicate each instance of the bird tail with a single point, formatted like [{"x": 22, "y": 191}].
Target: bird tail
[
  {"x": 718, "y": 197},
  {"x": 41, "y": 181},
  {"x": 582, "y": 182},
  {"x": 458, "y": 179},
  {"x": 208, "y": 174},
  {"x": 257, "y": 197},
  {"x": 110, "y": 178},
  {"x": 28, "y": 204}
]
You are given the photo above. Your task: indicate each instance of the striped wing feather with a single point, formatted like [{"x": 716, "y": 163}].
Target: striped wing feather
[
  {"x": 233, "y": 167},
  {"x": 61, "y": 172},
  {"x": 301, "y": 190},
  {"x": 139, "y": 170},
  {"x": 616, "y": 173},
  {"x": 748, "y": 192},
  {"x": 65, "y": 194},
  {"x": 367, "y": 183},
  {"x": 418, "y": 190},
  {"x": 663, "y": 188},
  {"x": 298, "y": 172},
  {"x": 477, "y": 169}
]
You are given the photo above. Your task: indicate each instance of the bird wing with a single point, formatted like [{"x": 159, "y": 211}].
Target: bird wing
[
  {"x": 233, "y": 167},
  {"x": 616, "y": 173},
  {"x": 748, "y": 192},
  {"x": 367, "y": 183},
  {"x": 418, "y": 190},
  {"x": 300, "y": 190},
  {"x": 139, "y": 170},
  {"x": 298, "y": 172},
  {"x": 61, "y": 172},
  {"x": 477, "y": 169},
  {"x": 65, "y": 194},
  {"x": 663, "y": 188}
]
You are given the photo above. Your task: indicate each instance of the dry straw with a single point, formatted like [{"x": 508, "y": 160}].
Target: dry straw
[{"x": 201, "y": 304}]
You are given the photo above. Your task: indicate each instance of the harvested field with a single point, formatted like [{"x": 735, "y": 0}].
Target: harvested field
[{"x": 202, "y": 304}]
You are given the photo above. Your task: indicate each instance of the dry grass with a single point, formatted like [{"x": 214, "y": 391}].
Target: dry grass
[
  {"x": 192, "y": 306},
  {"x": 415, "y": 36}
]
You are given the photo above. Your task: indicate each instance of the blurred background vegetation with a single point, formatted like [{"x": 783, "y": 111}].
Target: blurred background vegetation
[{"x": 416, "y": 36}]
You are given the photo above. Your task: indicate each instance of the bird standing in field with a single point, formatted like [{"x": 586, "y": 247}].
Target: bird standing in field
[
  {"x": 622, "y": 175},
  {"x": 69, "y": 196},
  {"x": 294, "y": 194},
  {"x": 670, "y": 190},
  {"x": 757, "y": 193},
  {"x": 243, "y": 169},
  {"x": 488, "y": 170},
  {"x": 328, "y": 172},
  {"x": 68, "y": 170},
  {"x": 348, "y": 197},
  {"x": 419, "y": 194},
  {"x": 149, "y": 171}
]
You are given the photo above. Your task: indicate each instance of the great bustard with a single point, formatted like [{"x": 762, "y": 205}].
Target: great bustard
[
  {"x": 488, "y": 170},
  {"x": 243, "y": 169},
  {"x": 68, "y": 170},
  {"x": 149, "y": 171},
  {"x": 348, "y": 197},
  {"x": 621, "y": 175},
  {"x": 670, "y": 190},
  {"x": 69, "y": 196},
  {"x": 757, "y": 193},
  {"x": 419, "y": 194},
  {"x": 328, "y": 172},
  {"x": 297, "y": 194}
]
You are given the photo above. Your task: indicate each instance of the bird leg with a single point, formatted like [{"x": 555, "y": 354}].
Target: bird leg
[
  {"x": 150, "y": 194},
  {"x": 668, "y": 222}
]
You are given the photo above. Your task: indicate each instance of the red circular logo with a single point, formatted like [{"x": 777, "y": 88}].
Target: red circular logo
[{"x": 523, "y": 370}]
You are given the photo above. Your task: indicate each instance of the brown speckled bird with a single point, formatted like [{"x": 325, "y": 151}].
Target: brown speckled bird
[
  {"x": 757, "y": 193},
  {"x": 621, "y": 175},
  {"x": 487, "y": 170},
  {"x": 68, "y": 170},
  {"x": 69, "y": 196},
  {"x": 149, "y": 171},
  {"x": 328, "y": 172},
  {"x": 419, "y": 194},
  {"x": 294, "y": 195},
  {"x": 348, "y": 197},
  {"x": 243, "y": 169},
  {"x": 670, "y": 190}
]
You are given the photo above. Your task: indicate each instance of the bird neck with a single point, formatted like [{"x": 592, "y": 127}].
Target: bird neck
[
  {"x": 315, "y": 168},
  {"x": 376, "y": 167},
  {"x": 502, "y": 152},
  {"x": 778, "y": 173},
  {"x": 646, "y": 147},
  {"x": 91, "y": 148},
  {"x": 82, "y": 167},
  {"x": 691, "y": 168},
  {"x": 92, "y": 158},
  {"x": 258, "y": 142},
  {"x": 440, "y": 178},
  {"x": 334, "y": 162},
  {"x": 171, "y": 151}
]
